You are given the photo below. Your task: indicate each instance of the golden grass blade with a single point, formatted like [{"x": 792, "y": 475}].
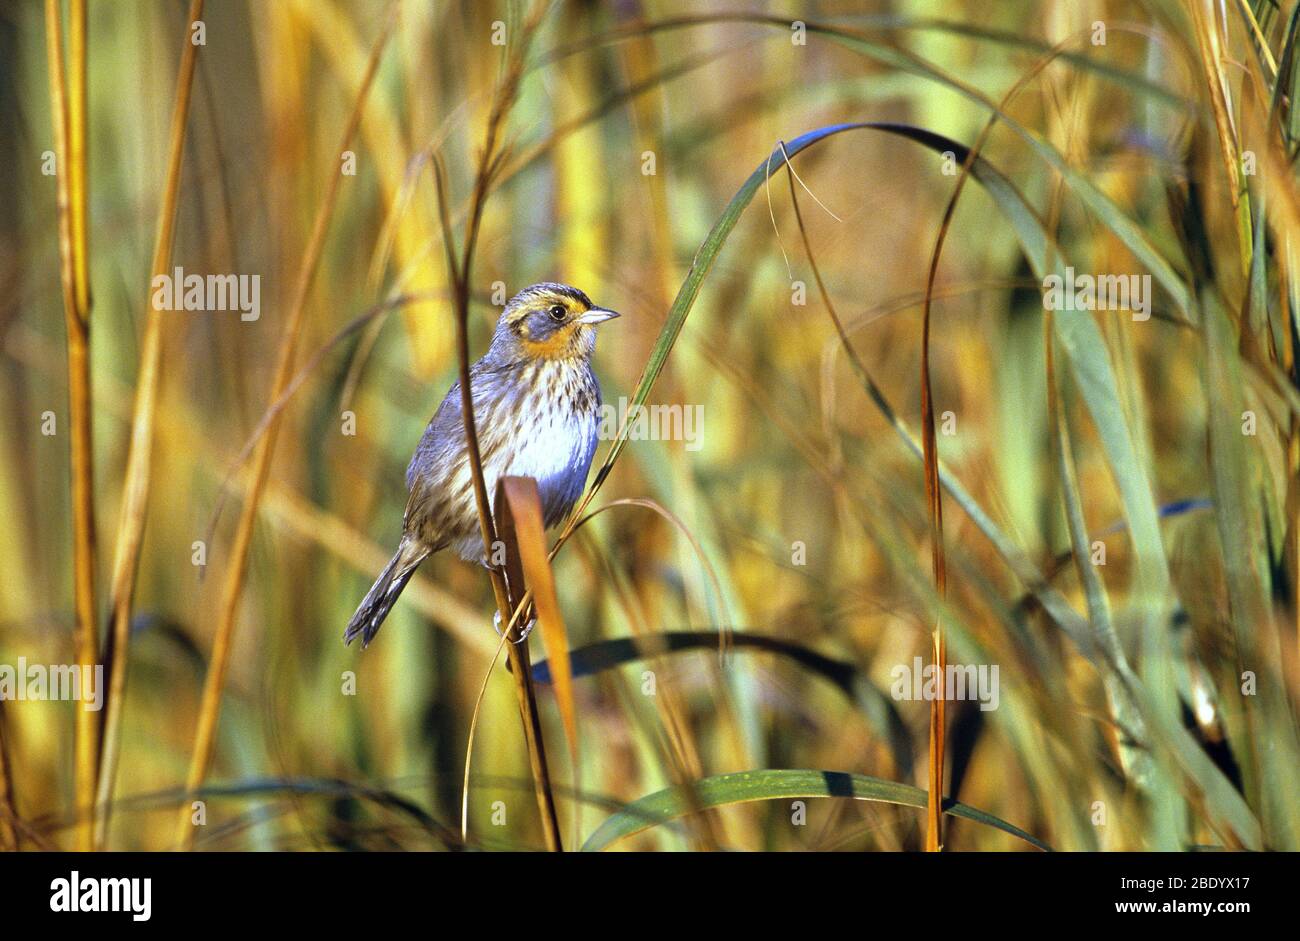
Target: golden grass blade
[
  {"x": 1261, "y": 43},
  {"x": 68, "y": 108},
  {"x": 77, "y": 171},
  {"x": 521, "y": 667},
  {"x": 135, "y": 490},
  {"x": 205, "y": 733},
  {"x": 530, "y": 536},
  {"x": 579, "y": 162}
]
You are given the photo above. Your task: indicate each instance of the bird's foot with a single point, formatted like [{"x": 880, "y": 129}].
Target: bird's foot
[
  {"x": 523, "y": 635},
  {"x": 491, "y": 566}
]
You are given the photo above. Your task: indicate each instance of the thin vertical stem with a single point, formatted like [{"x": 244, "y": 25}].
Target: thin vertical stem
[
  {"x": 68, "y": 109},
  {"x": 490, "y": 163},
  {"x": 934, "y": 499}
]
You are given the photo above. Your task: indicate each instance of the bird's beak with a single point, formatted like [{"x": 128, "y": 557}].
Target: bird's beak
[{"x": 597, "y": 315}]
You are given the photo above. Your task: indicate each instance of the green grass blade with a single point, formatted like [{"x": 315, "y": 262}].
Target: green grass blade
[
  {"x": 1238, "y": 484},
  {"x": 690, "y": 289},
  {"x": 791, "y": 784}
]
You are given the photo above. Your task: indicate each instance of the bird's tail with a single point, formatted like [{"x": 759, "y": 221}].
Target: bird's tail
[{"x": 383, "y": 593}]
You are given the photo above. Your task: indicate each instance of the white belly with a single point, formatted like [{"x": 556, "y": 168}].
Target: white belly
[{"x": 557, "y": 454}]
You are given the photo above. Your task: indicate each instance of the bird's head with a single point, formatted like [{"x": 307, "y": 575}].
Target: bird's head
[{"x": 549, "y": 321}]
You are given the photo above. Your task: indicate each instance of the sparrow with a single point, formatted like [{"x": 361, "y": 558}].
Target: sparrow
[{"x": 537, "y": 414}]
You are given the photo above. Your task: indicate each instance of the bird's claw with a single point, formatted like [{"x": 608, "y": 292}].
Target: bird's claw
[{"x": 523, "y": 635}]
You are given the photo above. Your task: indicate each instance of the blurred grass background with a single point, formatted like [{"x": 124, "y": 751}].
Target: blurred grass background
[{"x": 803, "y": 514}]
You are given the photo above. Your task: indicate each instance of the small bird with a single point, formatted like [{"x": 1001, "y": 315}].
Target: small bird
[{"x": 537, "y": 414}]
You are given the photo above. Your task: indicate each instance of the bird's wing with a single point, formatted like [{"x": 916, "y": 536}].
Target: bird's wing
[
  {"x": 440, "y": 455},
  {"x": 438, "y": 434}
]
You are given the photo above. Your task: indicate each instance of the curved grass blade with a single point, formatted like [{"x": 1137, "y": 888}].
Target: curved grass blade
[
  {"x": 690, "y": 289},
  {"x": 1033, "y": 239},
  {"x": 879, "y": 709},
  {"x": 1241, "y": 529},
  {"x": 784, "y": 784},
  {"x": 1134, "y": 758}
]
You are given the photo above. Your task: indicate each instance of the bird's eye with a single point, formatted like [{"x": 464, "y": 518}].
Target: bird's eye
[{"x": 558, "y": 312}]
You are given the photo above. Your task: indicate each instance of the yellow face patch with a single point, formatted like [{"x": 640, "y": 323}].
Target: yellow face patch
[{"x": 556, "y": 344}]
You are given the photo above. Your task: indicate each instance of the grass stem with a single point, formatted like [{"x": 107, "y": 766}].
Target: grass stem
[{"x": 68, "y": 109}]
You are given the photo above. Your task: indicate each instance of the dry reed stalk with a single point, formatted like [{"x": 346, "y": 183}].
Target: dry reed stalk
[
  {"x": 68, "y": 109},
  {"x": 206, "y": 729},
  {"x": 135, "y": 491},
  {"x": 938, "y": 561}
]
